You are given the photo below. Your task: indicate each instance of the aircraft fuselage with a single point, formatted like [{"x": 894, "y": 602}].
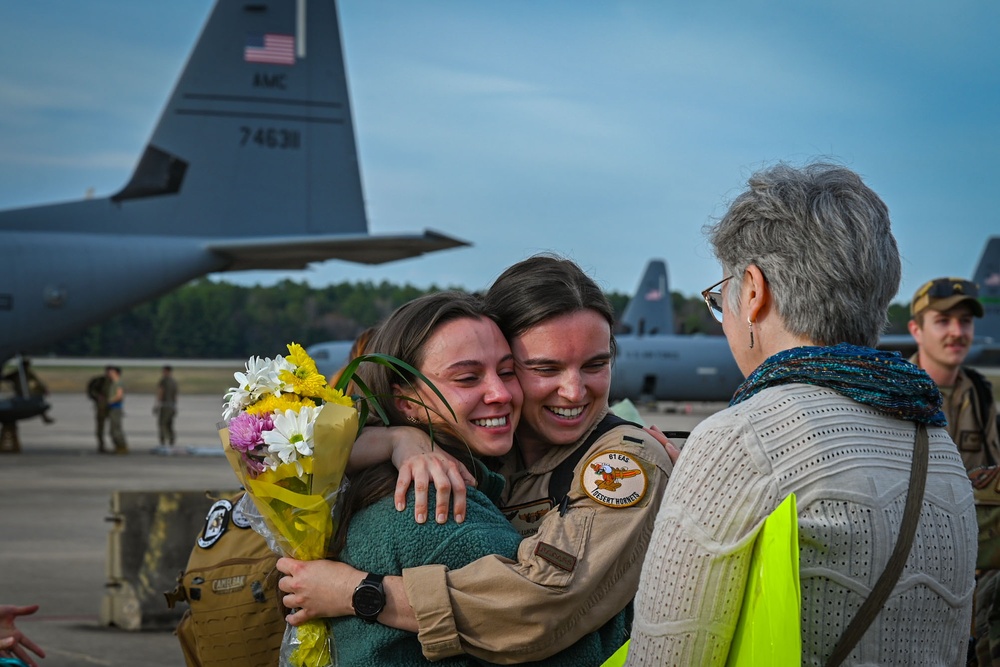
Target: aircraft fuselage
[{"x": 674, "y": 368}]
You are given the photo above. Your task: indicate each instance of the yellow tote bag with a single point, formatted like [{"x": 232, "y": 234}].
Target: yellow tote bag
[
  {"x": 617, "y": 659},
  {"x": 769, "y": 629}
]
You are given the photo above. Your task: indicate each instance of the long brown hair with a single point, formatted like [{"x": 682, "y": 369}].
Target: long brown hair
[{"x": 403, "y": 336}]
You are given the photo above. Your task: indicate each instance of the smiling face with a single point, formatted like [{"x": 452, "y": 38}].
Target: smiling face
[
  {"x": 470, "y": 363},
  {"x": 564, "y": 366}
]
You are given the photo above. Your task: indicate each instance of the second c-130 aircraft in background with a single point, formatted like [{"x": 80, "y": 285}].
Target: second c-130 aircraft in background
[
  {"x": 653, "y": 363},
  {"x": 253, "y": 165}
]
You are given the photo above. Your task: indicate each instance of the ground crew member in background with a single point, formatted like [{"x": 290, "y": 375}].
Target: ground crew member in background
[
  {"x": 943, "y": 313},
  {"x": 97, "y": 391},
  {"x": 166, "y": 406},
  {"x": 116, "y": 399},
  {"x": 32, "y": 387}
]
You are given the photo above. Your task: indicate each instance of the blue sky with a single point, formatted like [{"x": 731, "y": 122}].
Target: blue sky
[{"x": 610, "y": 132}]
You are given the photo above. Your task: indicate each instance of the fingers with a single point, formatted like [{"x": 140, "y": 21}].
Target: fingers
[
  {"x": 412, "y": 473},
  {"x": 285, "y": 565},
  {"x": 672, "y": 451},
  {"x": 19, "y": 652},
  {"x": 32, "y": 646},
  {"x": 458, "y": 489},
  {"x": 657, "y": 434},
  {"x": 442, "y": 491},
  {"x": 298, "y": 617},
  {"x": 449, "y": 477}
]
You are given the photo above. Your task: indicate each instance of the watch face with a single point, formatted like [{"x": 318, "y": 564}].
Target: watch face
[{"x": 368, "y": 600}]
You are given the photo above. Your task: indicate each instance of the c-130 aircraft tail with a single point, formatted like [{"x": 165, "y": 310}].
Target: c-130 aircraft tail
[{"x": 252, "y": 165}]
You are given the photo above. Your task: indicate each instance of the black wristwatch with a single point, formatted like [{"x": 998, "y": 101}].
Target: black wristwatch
[{"x": 369, "y": 598}]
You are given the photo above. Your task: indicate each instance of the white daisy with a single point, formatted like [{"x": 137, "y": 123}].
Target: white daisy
[{"x": 292, "y": 436}]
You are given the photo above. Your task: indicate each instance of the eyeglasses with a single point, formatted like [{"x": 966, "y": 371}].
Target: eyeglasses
[{"x": 713, "y": 299}]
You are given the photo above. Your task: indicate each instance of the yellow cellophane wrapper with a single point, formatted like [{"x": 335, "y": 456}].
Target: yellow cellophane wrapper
[
  {"x": 298, "y": 510},
  {"x": 769, "y": 628}
]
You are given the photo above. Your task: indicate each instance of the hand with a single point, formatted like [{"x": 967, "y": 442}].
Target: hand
[
  {"x": 982, "y": 476},
  {"x": 419, "y": 463},
  {"x": 13, "y": 641},
  {"x": 317, "y": 588},
  {"x": 658, "y": 435}
]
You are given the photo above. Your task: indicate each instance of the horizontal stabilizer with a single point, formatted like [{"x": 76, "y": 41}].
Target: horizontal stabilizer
[{"x": 295, "y": 252}]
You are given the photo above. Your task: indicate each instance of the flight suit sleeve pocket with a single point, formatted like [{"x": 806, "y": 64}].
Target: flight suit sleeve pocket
[{"x": 555, "y": 551}]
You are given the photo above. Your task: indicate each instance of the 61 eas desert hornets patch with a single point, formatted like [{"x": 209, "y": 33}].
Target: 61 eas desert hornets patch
[{"x": 615, "y": 479}]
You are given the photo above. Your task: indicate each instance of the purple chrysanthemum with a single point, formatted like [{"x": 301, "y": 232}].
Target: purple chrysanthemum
[{"x": 245, "y": 431}]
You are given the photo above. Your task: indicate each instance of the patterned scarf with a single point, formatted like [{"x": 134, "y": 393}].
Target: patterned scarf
[{"x": 882, "y": 380}]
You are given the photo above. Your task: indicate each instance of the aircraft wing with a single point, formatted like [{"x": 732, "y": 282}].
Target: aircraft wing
[{"x": 295, "y": 252}]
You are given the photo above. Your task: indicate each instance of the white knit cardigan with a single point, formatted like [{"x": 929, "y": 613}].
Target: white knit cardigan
[{"x": 848, "y": 465}]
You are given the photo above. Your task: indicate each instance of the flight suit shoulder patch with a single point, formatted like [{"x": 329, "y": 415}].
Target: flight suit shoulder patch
[
  {"x": 614, "y": 478},
  {"x": 216, "y": 523}
]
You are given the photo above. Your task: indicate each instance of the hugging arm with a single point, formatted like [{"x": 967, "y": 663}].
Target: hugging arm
[
  {"x": 419, "y": 463},
  {"x": 570, "y": 578},
  {"x": 324, "y": 588}
]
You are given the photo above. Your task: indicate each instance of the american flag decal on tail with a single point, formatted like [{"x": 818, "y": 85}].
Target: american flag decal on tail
[{"x": 272, "y": 49}]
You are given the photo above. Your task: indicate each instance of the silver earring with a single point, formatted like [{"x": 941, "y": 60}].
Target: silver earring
[
  {"x": 751, "y": 332},
  {"x": 414, "y": 420}
]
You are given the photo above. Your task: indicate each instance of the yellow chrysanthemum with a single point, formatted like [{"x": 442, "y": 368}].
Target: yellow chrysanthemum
[
  {"x": 309, "y": 385},
  {"x": 298, "y": 356},
  {"x": 331, "y": 395},
  {"x": 272, "y": 403},
  {"x": 306, "y": 380}
]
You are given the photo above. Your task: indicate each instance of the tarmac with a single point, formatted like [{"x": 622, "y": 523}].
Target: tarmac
[{"x": 54, "y": 508}]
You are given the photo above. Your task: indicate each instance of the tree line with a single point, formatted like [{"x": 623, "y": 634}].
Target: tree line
[{"x": 208, "y": 319}]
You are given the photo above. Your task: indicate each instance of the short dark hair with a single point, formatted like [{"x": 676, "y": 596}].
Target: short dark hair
[{"x": 542, "y": 287}]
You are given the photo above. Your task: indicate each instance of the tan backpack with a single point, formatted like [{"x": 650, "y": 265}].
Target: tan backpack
[{"x": 235, "y": 616}]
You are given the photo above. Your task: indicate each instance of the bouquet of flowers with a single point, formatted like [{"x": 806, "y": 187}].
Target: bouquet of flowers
[{"x": 288, "y": 438}]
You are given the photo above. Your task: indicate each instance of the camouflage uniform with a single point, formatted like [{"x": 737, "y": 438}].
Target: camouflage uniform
[{"x": 979, "y": 444}]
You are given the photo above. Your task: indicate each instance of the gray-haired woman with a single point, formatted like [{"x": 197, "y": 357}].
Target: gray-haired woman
[{"x": 809, "y": 267}]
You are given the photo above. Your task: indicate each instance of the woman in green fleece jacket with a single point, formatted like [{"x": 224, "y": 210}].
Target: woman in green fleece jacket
[{"x": 450, "y": 338}]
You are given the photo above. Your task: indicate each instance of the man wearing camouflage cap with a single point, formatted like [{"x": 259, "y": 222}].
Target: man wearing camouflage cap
[{"x": 943, "y": 313}]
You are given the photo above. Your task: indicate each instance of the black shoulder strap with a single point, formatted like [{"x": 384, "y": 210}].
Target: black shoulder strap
[
  {"x": 907, "y": 529},
  {"x": 983, "y": 391},
  {"x": 562, "y": 476}
]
